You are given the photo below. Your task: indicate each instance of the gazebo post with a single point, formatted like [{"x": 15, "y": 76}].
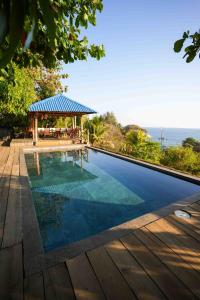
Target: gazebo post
[
  {"x": 81, "y": 117},
  {"x": 74, "y": 122},
  {"x": 31, "y": 124},
  {"x": 35, "y": 128},
  {"x": 88, "y": 137}
]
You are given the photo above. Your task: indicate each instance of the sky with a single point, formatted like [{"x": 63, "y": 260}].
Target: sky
[{"x": 141, "y": 79}]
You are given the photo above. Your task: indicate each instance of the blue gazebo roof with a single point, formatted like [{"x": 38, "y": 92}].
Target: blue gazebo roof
[{"x": 60, "y": 104}]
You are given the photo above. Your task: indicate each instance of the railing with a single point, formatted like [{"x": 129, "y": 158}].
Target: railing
[{"x": 75, "y": 134}]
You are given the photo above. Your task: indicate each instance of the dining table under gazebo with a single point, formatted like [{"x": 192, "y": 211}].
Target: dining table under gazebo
[{"x": 56, "y": 106}]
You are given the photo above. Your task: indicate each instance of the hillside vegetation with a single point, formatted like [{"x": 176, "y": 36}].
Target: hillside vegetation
[{"x": 107, "y": 133}]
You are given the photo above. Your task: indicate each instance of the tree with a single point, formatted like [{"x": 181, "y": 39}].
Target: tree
[
  {"x": 47, "y": 81},
  {"x": 136, "y": 137},
  {"x": 139, "y": 146},
  {"x": 113, "y": 137},
  {"x": 192, "y": 50},
  {"x": 189, "y": 142},
  {"x": 35, "y": 32},
  {"x": 109, "y": 118},
  {"x": 96, "y": 129},
  {"x": 23, "y": 87},
  {"x": 180, "y": 158},
  {"x": 63, "y": 122},
  {"x": 16, "y": 97},
  {"x": 193, "y": 143}
]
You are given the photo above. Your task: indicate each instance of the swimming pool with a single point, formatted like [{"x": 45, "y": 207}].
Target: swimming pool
[{"x": 80, "y": 193}]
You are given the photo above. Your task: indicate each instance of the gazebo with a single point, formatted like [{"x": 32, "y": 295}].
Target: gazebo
[{"x": 59, "y": 106}]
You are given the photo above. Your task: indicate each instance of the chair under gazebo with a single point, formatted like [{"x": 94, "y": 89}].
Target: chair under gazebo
[{"x": 57, "y": 106}]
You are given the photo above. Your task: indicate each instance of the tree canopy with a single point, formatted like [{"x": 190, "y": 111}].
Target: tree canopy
[
  {"x": 35, "y": 32},
  {"x": 23, "y": 87},
  {"x": 109, "y": 118},
  {"x": 181, "y": 158},
  {"x": 46, "y": 81},
  {"x": 16, "y": 97},
  {"x": 193, "y": 143}
]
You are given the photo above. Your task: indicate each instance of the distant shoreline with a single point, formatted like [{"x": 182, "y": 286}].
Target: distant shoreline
[
  {"x": 162, "y": 127},
  {"x": 172, "y": 136}
]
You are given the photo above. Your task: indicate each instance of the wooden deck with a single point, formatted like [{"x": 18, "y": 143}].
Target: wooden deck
[{"x": 160, "y": 260}]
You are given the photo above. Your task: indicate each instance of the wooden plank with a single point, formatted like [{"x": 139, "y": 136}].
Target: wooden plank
[
  {"x": 194, "y": 210},
  {"x": 48, "y": 287},
  {"x": 196, "y": 206},
  {"x": 3, "y": 160},
  {"x": 11, "y": 273},
  {"x": 3, "y": 156},
  {"x": 13, "y": 221},
  {"x": 2, "y": 150},
  {"x": 187, "y": 227},
  {"x": 137, "y": 278},
  {"x": 60, "y": 282},
  {"x": 182, "y": 244},
  {"x": 34, "y": 288},
  {"x": 4, "y": 192},
  {"x": 112, "y": 282},
  {"x": 84, "y": 281},
  {"x": 167, "y": 281},
  {"x": 182, "y": 237},
  {"x": 175, "y": 263}
]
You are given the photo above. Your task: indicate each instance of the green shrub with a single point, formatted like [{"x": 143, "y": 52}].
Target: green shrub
[
  {"x": 139, "y": 146},
  {"x": 63, "y": 122},
  {"x": 149, "y": 151},
  {"x": 136, "y": 137},
  {"x": 189, "y": 142},
  {"x": 181, "y": 158},
  {"x": 193, "y": 143}
]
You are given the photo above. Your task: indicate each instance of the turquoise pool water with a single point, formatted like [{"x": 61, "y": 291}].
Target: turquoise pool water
[{"x": 81, "y": 193}]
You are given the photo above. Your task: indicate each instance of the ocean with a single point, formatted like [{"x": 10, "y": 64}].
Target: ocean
[{"x": 172, "y": 136}]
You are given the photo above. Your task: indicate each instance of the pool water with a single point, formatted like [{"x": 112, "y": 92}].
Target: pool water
[{"x": 80, "y": 193}]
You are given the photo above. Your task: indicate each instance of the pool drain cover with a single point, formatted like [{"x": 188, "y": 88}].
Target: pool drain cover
[{"x": 182, "y": 214}]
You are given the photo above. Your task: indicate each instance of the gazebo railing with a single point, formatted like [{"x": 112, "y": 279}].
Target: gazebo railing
[{"x": 74, "y": 134}]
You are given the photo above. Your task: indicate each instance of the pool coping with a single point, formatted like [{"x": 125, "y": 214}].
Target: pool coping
[
  {"x": 36, "y": 260},
  {"x": 53, "y": 148}
]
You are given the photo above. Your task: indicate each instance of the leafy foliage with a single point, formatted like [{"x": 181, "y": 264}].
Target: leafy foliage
[
  {"x": 23, "y": 87},
  {"x": 109, "y": 118},
  {"x": 62, "y": 122},
  {"x": 193, "y": 143},
  {"x": 139, "y": 145},
  {"x": 113, "y": 137},
  {"x": 181, "y": 158},
  {"x": 96, "y": 129},
  {"x": 35, "y": 32},
  {"x": 192, "y": 50},
  {"x": 47, "y": 81},
  {"x": 16, "y": 97},
  {"x": 136, "y": 137}
]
